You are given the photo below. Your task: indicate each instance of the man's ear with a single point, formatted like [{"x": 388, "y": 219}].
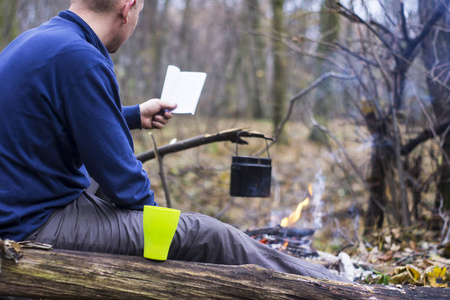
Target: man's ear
[{"x": 126, "y": 10}]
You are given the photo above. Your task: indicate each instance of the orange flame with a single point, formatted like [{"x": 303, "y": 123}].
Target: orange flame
[{"x": 295, "y": 215}]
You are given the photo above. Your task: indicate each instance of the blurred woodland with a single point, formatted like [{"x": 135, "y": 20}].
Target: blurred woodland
[{"x": 355, "y": 92}]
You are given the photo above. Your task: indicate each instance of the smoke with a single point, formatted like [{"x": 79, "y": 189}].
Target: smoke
[{"x": 317, "y": 203}]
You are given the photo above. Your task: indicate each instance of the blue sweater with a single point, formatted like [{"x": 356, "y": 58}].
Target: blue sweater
[{"x": 60, "y": 119}]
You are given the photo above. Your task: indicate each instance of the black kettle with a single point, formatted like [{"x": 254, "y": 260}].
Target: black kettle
[{"x": 250, "y": 176}]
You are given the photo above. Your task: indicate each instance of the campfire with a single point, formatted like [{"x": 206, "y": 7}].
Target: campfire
[
  {"x": 295, "y": 215},
  {"x": 287, "y": 238}
]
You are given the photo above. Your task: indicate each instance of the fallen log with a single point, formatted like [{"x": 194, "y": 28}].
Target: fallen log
[{"x": 59, "y": 274}]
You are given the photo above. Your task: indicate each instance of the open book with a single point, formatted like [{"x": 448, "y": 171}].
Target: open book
[{"x": 183, "y": 88}]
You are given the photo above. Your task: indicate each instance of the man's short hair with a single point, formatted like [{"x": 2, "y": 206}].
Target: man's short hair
[{"x": 99, "y": 6}]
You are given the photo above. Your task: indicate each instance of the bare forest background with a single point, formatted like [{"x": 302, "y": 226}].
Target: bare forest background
[{"x": 355, "y": 92}]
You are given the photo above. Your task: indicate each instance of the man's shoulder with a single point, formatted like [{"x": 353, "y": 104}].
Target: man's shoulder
[
  {"x": 63, "y": 44},
  {"x": 56, "y": 32},
  {"x": 66, "y": 36}
]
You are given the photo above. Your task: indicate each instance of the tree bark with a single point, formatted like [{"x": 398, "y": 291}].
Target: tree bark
[
  {"x": 60, "y": 274},
  {"x": 160, "y": 38},
  {"x": 256, "y": 47},
  {"x": 186, "y": 37},
  {"x": 380, "y": 164},
  {"x": 279, "y": 82},
  {"x": 377, "y": 201}
]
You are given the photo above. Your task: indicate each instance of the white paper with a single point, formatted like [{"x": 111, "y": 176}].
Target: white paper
[{"x": 183, "y": 88}]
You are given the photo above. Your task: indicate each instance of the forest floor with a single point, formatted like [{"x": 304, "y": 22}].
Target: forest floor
[{"x": 199, "y": 181}]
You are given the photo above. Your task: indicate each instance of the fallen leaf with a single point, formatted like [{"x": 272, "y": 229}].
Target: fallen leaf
[
  {"x": 395, "y": 247},
  {"x": 362, "y": 249},
  {"x": 388, "y": 239},
  {"x": 386, "y": 257},
  {"x": 414, "y": 273},
  {"x": 423, "y": 263},
  {"x": 399, "y": 270},
  {"x": 437, "y": 277},
  {"x": 399, "y": 278},
  {"x": 397, "y": 233}
]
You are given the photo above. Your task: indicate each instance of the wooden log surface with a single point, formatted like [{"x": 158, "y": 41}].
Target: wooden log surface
[{"x": 59, "y": 274}]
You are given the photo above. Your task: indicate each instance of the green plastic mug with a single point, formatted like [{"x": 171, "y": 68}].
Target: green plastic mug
[{"x": 160, "y": 224}]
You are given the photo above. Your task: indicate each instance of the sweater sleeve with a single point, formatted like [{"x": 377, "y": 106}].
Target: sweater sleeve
[
  {"x": 94, "y": 116},
  {"x": 132, "y": 116}
]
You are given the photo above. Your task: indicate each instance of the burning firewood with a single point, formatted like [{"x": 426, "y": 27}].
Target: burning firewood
[{"x": 281, "y": 231}]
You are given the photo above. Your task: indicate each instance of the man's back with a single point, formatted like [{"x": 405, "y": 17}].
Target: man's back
[{"x": 44, "y": 75}]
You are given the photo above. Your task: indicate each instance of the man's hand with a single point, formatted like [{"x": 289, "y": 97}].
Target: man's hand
[{"x": 155, "y": 113}]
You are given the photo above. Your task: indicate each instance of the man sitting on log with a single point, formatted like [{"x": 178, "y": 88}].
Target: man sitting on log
[{"x": 61, "y": 119}]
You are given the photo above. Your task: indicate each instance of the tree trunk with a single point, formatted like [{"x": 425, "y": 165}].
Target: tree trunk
[
  {"x": 246, "y": 65},
  {"x": 326, "y": 97},
  {"x": 160, "y": 38},
  {"x": 61, "y": 274},
  {"x": 279, "y": 83},
  {"x": 435, "y": 56},
  {"x": 377, "y": 200},
  {"x": 8, "y": 22},
  {"x": 379, "y": 162},
  {"x": 186, "y": 36},
  {"x": 407, "y": 51},
  {"x": 256, "y": 46}
]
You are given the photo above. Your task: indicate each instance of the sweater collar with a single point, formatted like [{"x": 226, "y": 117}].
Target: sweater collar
[{"x": 89, "y": 34}]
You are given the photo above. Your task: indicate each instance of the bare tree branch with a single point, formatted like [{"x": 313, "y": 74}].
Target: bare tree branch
[
  {"x": 302, "y": 93},
  {"x": 425, "y": 135},
  {"x": 226, "y": 135},
  {"x": 412, "y": 44},
  {"x": 383, "y": 28},
  {"x": 357, "y": 55},
  {"x": 437, "y": 14},
  {"x": 353, "y": 17},
  {"x": 434, "y": 131},
  {"x": 403, "y": 21},
  {"x": 296, "y": 40}
]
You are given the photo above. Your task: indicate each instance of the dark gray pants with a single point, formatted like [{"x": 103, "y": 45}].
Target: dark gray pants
[{"x": 92, "y": 224}]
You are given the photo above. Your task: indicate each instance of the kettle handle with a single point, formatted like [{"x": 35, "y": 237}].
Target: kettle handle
[{"x": 237, "y": 139}]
